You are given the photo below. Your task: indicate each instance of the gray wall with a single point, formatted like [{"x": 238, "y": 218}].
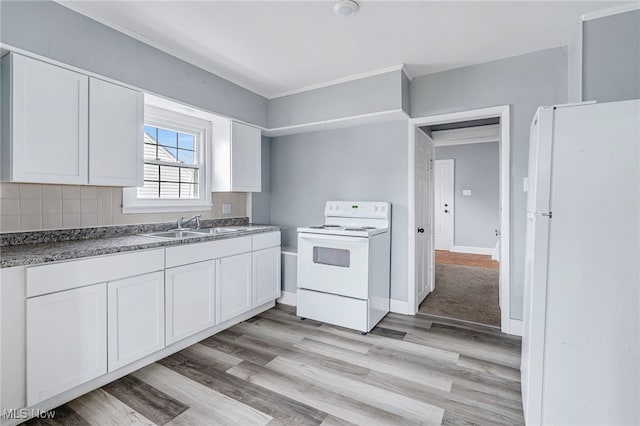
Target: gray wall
[
  {"x": 260, "y": 201},
  {"x": 525, "y": 82},
  {"x": 51, "y": 30},
  {"x": 377, "y": 93},
  {"x": 611, "y": 58},
  {"x": 475, "y": 217},
  {"x": 367, "y": 162}
]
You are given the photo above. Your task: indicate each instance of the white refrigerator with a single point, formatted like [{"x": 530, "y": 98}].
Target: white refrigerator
[{"x": 580, "y": 346}]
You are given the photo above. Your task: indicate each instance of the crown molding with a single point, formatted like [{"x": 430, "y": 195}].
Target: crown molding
[
  {"x": 184, "y": 57},
  {"x": 611, "y": 11},
  {"x": 207, "y": 67},
  {"x": 406, "y": 72},
  {"x": 341, "y": 80}
]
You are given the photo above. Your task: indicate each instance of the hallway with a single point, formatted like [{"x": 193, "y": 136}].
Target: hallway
[{"x": 466, "y": 288}]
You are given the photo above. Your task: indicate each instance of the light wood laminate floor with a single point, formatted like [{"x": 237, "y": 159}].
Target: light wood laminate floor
[
  {"x": 277, "y": 369},
  {"x": 466, "y": 259}
]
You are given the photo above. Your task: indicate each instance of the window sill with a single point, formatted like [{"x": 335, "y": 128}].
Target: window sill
[{"x": 167, "y": 208}]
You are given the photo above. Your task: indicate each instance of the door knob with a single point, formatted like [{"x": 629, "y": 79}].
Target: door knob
[
  {"x": 420, "y": 230},
  {"x": 446, "y": 211},
  {"x": 446, "y": 205}
]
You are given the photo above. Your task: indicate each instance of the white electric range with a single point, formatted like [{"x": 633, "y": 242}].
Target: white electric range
[{"x": 344, "y": 265}]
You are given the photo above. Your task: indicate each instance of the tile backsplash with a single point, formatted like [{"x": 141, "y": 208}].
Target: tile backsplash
[{"x": 34, "y": 207}]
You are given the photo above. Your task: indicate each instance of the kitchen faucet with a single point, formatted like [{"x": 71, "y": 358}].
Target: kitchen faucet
[{"x": 181, "y": 223}]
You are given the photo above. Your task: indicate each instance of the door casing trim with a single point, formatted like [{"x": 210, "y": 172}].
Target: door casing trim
[{"x": 503, "y": 112}]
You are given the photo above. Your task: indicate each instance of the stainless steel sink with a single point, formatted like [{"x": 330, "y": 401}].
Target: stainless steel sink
[
  {"x": 217, "y": 230},
  {"x": 174, "y": 235}
]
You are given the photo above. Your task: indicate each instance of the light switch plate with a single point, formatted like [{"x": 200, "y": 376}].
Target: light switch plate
[
  {"x": 525, "y": 184},
  {"x": 466, "y": 192},
  {"x": 226, "y": 209}
]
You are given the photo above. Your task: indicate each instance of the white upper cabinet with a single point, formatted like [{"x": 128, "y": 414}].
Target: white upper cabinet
[
  {"x": 236, "y": 157},
  {"x": 44, "y": 122},
  {"x": 116, "y": 124},
  {"x": 60, "y": 126}
]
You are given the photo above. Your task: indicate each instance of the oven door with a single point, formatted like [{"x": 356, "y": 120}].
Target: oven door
[{"x": 334, "y": 264}]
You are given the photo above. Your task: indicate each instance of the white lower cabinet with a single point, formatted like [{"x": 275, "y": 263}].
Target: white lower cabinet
[
  {"x": 77, "y": 331},
  {"x": 233, "y": 286},
  {"x": 66, "y": 340},
  {"x": 266, "y": 275},
  {"x": 190, "y": 299},
  {"x": 135, "y": 318}
]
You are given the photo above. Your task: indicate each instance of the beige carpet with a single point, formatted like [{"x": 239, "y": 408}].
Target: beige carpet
[{"x": 465, "y": 292}]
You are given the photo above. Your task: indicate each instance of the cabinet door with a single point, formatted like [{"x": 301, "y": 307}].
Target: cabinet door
[
  {"x": 50, "y": 118},
  {"x": 190, "y": 299},
  {"x": 66, "y": 340},
  {"x": 266, "y": 275},
  {"x": 136, "y": 318},
  {"x": 116, "y": 129},
  {"x": 245, "y": 158},
  {"x": 233, "y": 283}
]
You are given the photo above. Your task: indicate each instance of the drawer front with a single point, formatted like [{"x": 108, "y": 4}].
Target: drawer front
[
  {"x": 199, "y": 252},
  {"x": 78, "y": 273},
  {"x": 266, "y": 240},
  {"x": 333, "y": 309}
]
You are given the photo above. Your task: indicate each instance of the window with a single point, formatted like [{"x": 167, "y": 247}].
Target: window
[
  {"x": 175, "y": 166},
  {"x": 170, "y": 166}
]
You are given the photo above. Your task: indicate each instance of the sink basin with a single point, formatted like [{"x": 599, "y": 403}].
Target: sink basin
[
  {"x": 217, "y": 230},
  {"x": 174, "y": 235}
]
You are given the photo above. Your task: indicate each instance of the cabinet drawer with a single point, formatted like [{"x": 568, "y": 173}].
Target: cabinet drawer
[
  {"x": 266, "y": 240},
  {"x": 77, "y": 273},
  {"x": 198, "y": 252}
]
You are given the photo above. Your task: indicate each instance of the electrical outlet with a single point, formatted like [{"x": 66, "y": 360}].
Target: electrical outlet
[{"x": 226, "y": 209}]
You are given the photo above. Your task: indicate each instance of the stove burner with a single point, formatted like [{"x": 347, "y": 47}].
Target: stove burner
[
  {"x": 331, "y": 226},
  {"x": 323, "y": 226},
  {"x": 362, "y": 228}
]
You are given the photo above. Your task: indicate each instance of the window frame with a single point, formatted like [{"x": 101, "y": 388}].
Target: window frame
[{"x": 170, "y": 120}]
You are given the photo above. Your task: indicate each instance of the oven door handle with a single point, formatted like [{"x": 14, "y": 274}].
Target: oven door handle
[{"x": 340, "y": 238}]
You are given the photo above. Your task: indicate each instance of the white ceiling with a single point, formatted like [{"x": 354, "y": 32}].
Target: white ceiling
[{"x": 274, "y": 48}]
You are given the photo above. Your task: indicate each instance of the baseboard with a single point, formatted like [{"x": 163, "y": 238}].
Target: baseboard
[
  {"x": 400, "y": 307},
  {"x": 514, "y": 327},
  {"x": 288, "y": 298},
  {"x": 472, "y": 250}
]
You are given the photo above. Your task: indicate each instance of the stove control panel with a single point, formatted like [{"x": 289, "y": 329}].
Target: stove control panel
[{"x": 365, "y": 209}]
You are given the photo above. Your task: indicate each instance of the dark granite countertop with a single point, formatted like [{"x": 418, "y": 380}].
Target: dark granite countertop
[{"x": 31, "y": 248}]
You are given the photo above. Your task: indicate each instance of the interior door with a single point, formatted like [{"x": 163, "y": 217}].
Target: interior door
[
  {"x": 425, "y": 271},
  {"x": 443, "y": 204}
]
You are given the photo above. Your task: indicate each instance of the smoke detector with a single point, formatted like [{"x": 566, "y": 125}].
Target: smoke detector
[{"x": 346, "y": 8}]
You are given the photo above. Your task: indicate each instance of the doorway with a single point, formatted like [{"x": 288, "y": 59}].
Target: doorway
[
  {"x": 417, "y": 263},
  {"x": 443, "y": 223},
  {"x": 467, "y": 219}
]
